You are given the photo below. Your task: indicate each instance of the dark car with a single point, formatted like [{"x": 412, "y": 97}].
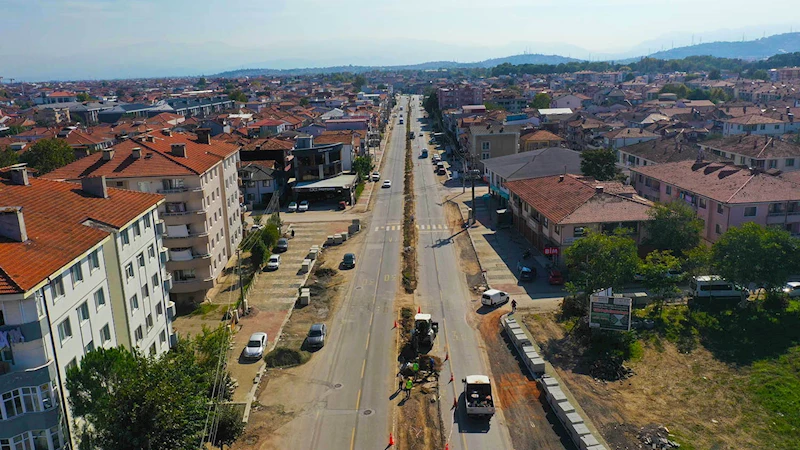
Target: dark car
[
  {"x": 349, "y": 260},
  {"x": 526, "y": 273},
  {"x": 554, "y": 277},
  {"x": 282, "y": 245},
  {"x": 316, "y": 335}
]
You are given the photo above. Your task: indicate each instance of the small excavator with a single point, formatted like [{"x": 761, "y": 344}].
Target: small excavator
[{"x": 424, "y": 332}]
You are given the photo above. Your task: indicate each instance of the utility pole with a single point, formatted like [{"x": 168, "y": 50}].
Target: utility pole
[{"x": 241, "y": 285}]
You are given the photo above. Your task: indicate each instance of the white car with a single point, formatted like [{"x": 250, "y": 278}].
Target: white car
[
  {"x": 376, "y": 176},
  {"x": 387, "y": 183},
  {"x": 293, "y": 207},
  {"x": 792, "y": 288},
  {"x": 303, "y": 206},
  {"x": 255, "y": 346},
  {"x": 274, "y": 262},
  {"x": 256, "y": 227}
]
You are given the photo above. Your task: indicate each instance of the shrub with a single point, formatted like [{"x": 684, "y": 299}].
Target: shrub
[{"x": 285, "y": 357}]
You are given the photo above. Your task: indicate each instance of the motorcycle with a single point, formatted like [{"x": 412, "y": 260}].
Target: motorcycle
[{"x": 526, "y": 254}]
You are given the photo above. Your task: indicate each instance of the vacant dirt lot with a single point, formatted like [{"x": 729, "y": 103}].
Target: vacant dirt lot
[{"x": 703, "y": 402}]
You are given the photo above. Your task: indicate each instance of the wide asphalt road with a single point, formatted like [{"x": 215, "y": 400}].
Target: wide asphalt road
[
  {"x": 357, "y": 366},
  {"x": 442, "y": 292}
]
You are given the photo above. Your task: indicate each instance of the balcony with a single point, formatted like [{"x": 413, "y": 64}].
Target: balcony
[
  {"x": 186, "y": 259},
  {"x": 184, "y": 217},
  {"x": 189, "y": 240},
  {"x": 191, "y": 285},
  {"x": 183, "y": 213}
]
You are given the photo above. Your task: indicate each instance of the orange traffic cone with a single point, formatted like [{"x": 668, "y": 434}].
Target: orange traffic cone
[
  {"x": 447, "y": 356},
  {"x": 455, "y": 403},
  {"x": 395, "y": 324},
  {"x": 391, "y": 440},
  {"x": 451, "y": 377},
  {"x": 446, "y": 446},
  {"x": 419, "y": 310}
]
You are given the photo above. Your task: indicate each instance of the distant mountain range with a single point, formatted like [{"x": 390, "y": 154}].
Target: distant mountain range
[{"x": 747, "y": 50}]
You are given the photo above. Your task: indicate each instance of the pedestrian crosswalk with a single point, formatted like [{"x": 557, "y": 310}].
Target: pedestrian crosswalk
[
  {"x": 421, "y": 227},
  {"x": 431, "y": 227}
]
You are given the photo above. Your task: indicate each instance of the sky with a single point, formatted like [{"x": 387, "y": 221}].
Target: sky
[{"x": 61, "y": 39}]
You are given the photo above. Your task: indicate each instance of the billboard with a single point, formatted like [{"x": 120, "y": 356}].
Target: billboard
[{"x": 610, "y": 313}]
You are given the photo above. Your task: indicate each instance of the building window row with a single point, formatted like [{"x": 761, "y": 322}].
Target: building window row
[
  {"x": 31, "y": 399},
  {"x": 51, "y": 439}
]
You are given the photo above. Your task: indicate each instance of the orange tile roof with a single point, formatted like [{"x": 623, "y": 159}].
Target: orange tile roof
[
  {"x": 54, "y": 213},
  {"x": 541, "y": 136},
  {"x": 334, "y": 137}
]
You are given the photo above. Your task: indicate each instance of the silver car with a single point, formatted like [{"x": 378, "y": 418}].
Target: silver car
[
  {"x": 316, "y": 335},
  {"x": 255, "y": 346}
]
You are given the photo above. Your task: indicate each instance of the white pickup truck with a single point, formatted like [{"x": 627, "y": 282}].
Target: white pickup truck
[{"x": 478, "y": 396}]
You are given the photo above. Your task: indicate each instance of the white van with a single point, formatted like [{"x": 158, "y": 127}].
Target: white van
[
  {"x": 494, "y": 297},
  {"x": 706, "y": 286}
]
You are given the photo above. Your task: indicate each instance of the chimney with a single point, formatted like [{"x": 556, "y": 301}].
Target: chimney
[
  {"x": 95, "y": 186},
  {"x": 12, "y": 223},
  {"x": 598, "y": 189},
  {"x": 204, "y": 135},
  {"x": 744, "y": 109},
  {"x": 179, "y": 150},
  {"x": 19, "y": 175},
  {"x": 560, "y": 178},
  {"x": 136, "y": 152},
  {"x": 166, "y": 132},
  {"x": 108, "y": 154}
]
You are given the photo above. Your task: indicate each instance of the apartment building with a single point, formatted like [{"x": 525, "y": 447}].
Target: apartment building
[
  {"x": 458, "y": 96},
  {"x": 764, "y": 152},
  {"x": 491, "y": 140},
  {"x": 753, "y": 124},
  {"x": 81, "y": 267},
  {"x": 198, "y": 177},
  {"x": 723, "y": 195}
]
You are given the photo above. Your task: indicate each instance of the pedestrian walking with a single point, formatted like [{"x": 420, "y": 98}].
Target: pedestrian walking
[
  {"x": 513, "y": 305},
  {"x": 409, "y": 386},
  {"x": 292, "y": 232}
]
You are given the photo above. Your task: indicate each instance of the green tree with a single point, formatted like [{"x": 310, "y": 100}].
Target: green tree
[
  {"x": 136, "y": 402},
  {"x": 657, "y": 279},
  {"x": 304, "y": 101},
  {"x": 760, "y": 74},
  {"x": 83, "y": 97},
  {"x": 8, "y": 157},
  {"x": 202, "y": 83},
  {"x": 629, "y": 77},
  {"x": 259, "y": 254},
  {"x": 697, "y": 261},
  {"x": 270, "y": 235},
  {"x": 599, "y": 261},
  {"x": 46, "y": 155},
  {"x": 362, "y": 165},
  {"x": 674, "y": 227},
  {"x": 15, "y": 129},
  {"x": 714, "y": 74},
  {"x": 751, "y": 253},
  {"x": 237, "y": 96},
  {"x": 229, "y": 426},
  {"x": 358, "y": 82},
  {"x": 601, "y": 164},
  {"x": 541, "y": 101}
]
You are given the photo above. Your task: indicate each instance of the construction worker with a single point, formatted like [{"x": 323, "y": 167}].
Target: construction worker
[
  {"x": 513, "y": 305},
  {"x": 415, "y": 369},
  {"x": 409, "y": 385}
]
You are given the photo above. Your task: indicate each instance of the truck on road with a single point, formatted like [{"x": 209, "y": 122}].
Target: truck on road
[
  {"x": 424, "y": 153},
  {"x": 478, "y": 396},
  {"x": 424, "y": 332}
]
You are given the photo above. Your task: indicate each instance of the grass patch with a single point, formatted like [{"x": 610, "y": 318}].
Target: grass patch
[
  {"x": 359, "y": 189},
  {"x": 775, "y": 384},
  {"x": 204, "y": 308},
  {"x": 285, "y": 357}
]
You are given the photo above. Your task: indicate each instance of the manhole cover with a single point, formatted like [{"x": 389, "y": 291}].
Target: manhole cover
[
  {"x": 367, "y": 412},
  {"x": 337, "y": 386}
]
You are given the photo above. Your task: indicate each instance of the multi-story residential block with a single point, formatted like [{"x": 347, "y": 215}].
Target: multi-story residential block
[
  {"x": 81, "y": 267},
  {"x": 537, "y": 163},
  {"x": 258, "y": 181},
  {"x": 540, "y": 139},
  {"x": 785, "y": 74},
  {"x": 555, "y": 211},
  {"x": 723, "y": 195},
  {"x": 491, "y": 140},
  {"x": 627, "y": 136},
  {"x": 458, "y": 96},
  {"x": 202, "y": 212},
  {"x": 763, "y": 152},
  {"x": 753, "y": 124}
]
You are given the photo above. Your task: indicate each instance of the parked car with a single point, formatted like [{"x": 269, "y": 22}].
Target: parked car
[
  {"x": 256, "y": 227},
  {"x": 376, "y": 176},
  {"x": 293, "y": 207},
  {"x": 255, "y": 346},
  {"x": 554, "y": 277},
  {"x": 282, "y": 245},
  {"x": 303, "y": 206},
  {"x": 387, "y": 183},
  {"x": 349, "y": 260},
  {"x": 494, "y": 297},
  {"x": 792, "y": 288},
  {"x": 526, "y": 273},
  {"x": 274, "y": 262},
  {"x": 316, "y": 335}
]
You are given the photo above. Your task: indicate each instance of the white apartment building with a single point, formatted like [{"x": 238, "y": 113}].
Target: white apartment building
[
  {"x": 74, "y": 261},
  {"x": 202, "y": 213}
]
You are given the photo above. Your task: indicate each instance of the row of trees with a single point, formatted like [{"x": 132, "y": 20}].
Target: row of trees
[
  {"x": 682, "y": 91},
  {"x": 749, "y": 255},
  {"x": 265, "y": 240},
  {"x": 45, "y": 155}
]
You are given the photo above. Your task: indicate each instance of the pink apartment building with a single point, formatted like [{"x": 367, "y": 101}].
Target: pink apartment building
[{"x": 723, "y": 195}]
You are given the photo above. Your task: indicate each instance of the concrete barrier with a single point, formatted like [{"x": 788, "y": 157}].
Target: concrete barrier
[
  {"x": 305, "y": 296},
  {"x": 587, "y": 441}
]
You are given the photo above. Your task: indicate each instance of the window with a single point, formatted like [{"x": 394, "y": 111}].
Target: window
[
  {"x": 155, "y": 281},
  {"x": 129, "y": 270},
  {"x": 94, "y": 260},
  {"x": 136, "y": 230},
  {"x": 125, "y": 238},
  {"x": 145, "y": 291},
  {"x": 545, "y": 222},
  {"x": 64, "y": 330},
  {"x": 100, "y": 298},
  {"x": 138, "y": 333},
  {"x": 12, "y": 402},
  {"x": 149, "y": 321},
  {"x": 485, "y": 146},
  {"x": 162, "y": 337},
  {"x": 702, "y": 203},
  {"x": 750, "y": 211},
  {"x": 30, "y": 399},
  {"x": 789, "y": 162},
  {"x": 77, "y": 273},
  {"x": 58, "y": 286},
  {"x": 140, "y": 259},
  {"x": 159, "y": 309},
  {"x": 718, "y": 229},
  {"x": 578, "y": 232},
  {"x": 669, "y": 190},
  {"x": 83, "y": 312},
  {"x": 719, "y": 208},
  {"x": 89, "y": 347},
  {"x": 486, "y": 155},
  {"x": 71, "y": 364},
  {"x": 146, "y": 220},
  {"x": 153, "y": 349},
  {"x": 772, "y": 163},
  {"x": 105, "y": 333},
  {"x": 777, "y": 127},
  {"x": 557, "y": 229},
  {"x": 134, "y": 301},
  {"x": 151, "y": 251}
]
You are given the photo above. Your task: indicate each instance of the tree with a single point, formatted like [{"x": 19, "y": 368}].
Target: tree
[
  {"x": 697, "y": 261},
  {"x": 601, "y": 164},
  {"x": 259, "y": 254},
  {"x": 304, "y": 101},
  {"x": 46, "y": 155},
  {"x": 359, "y": 81},
  {"x": 8, "y": 157},
  {"x": 83, "y": 97},
  {"x": 362, "y": 165},
  {"x": 15, "y": 129},
  {"x": 270, "y": 235},
  {"x": 657, "y": 278},
  {"x": 629, "y": 77},
  {"x": 714, "y": 74},
  {"x": 237, "y": 96},
  {"x": 674, "y": 227},
  {"x": 229, "y": 426},
  {"x": 202, "y": 82},
  {"x": 599, "y": 261},
  {"x": 541, "y": 101},
  {"x": 136, "y": 402},
  {"x": 760, "y": 74},
  {"x": 753, "y": 254}
]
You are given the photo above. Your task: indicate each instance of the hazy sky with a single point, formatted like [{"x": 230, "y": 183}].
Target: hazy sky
[{"x": 47, "y": 37}]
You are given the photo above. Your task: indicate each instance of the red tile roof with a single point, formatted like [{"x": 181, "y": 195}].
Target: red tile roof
[
  {"x": 541, "y": 136},
  {"x": 54, "y": 213}
]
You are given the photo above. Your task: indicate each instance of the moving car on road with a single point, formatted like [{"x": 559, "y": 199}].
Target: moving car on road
[
  {"x": 316, "y": 335},
  {"x": 303, "y": 206},
  {"x": 293, "y": 207},
  {"x": 255, "y": 346},
  {"x": 274, "y": 262},
  {"x": 376, "y": 176},
  {"x": 387, "y": 183}
]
